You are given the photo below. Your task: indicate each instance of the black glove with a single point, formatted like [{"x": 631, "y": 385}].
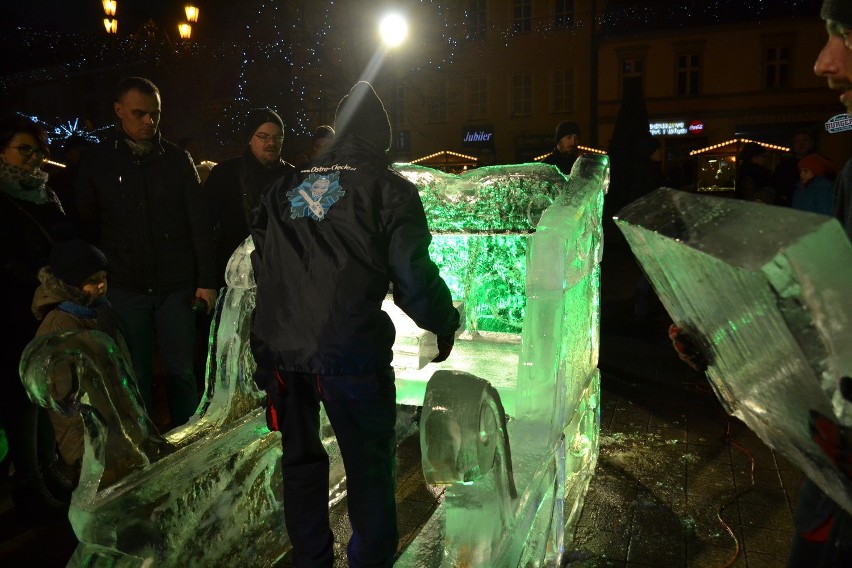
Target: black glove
[{"x": 445, "y": 347}]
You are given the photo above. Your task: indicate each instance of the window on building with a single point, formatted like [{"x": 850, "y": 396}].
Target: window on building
[
  {"x": 688, "y": 73},
  {"x": 563, "y": 14},
  {"x": 522, "y": 94},
  {"x": 632, "y": 67},
  {"x": 563, "y": 90},
  {"x": 475, "y": 16},
  {"x": 522, "y": 16},
  {"x": 777, "y": 66},
  {"x": 436, "y": 103},
  {"x": 477, "y": 100}
]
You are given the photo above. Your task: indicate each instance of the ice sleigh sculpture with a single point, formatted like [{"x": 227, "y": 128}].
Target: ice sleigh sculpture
[{"x": 509, "y": 424}]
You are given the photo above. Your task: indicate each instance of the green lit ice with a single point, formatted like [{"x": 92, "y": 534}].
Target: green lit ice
[
  {"x": 765, "y": 292},
  {"x": 509, "y": 423}
]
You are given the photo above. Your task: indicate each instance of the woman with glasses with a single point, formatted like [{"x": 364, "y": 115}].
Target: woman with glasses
[{"x": 31, "y": 217}]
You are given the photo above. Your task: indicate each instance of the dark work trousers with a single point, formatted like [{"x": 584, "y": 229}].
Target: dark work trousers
[
  {"x": 170, "y": 319},
  {"x": 362, "y": 412},
  {"x": 823, "y": 537}
]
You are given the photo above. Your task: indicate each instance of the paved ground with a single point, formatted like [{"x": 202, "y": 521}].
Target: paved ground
[{"x": 678, "y": 482}]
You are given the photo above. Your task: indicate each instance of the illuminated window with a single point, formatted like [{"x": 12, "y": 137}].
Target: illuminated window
[
  {"x": 522, "y": 94},
  {"x": 777, "y": 69},
  {"x": 688, "y": 73},
  {"x": 476, "y": 19},
  {"x": 522, "y": 16},
  {"x": 563, "y": 90},
  {"x": 436, "y": 103},
  {"x": 563, "y": 14},
  {"x": 477, "y": 98}
]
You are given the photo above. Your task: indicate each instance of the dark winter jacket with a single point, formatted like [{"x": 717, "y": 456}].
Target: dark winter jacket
[
  {"x": 329, "y": 242},
  {"x": 27, "y": 232},
  {"x": 817, "y": 196},
  {"x": 843, "y": 198},
  {"x": 148, "y": 215},
  {"x": 562, "y": 161},
  {"x": 234, "y": 188}
]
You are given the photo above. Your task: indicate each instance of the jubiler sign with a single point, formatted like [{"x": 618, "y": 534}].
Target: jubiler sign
[{"x": 478, "y": 136}]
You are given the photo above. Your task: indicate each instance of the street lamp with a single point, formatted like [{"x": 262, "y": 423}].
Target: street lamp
[
  {"x": 191, "y": 13},
  {"x": 393, "y": 29},
  {"x": 185, "y": 30},
  {"x": 110, "y": 23}
]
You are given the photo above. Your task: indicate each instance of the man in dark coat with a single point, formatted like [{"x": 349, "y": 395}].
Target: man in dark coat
[
  {"x": 567, "y": 137},
  {"x": 235, "y": 185},
  {"x": 329, "y": 243},
  {"x": 139, "y": 199}
]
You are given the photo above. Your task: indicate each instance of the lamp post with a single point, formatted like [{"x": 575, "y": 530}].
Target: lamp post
[
  {"x": 393, "y": 29},
  {"x": 150, "y": 27},
  {"x": 110, "y": 22},
  {"x": 185, "y": 28}
]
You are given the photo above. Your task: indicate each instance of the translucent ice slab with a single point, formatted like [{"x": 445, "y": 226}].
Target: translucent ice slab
[
  {"x": 510, "y": 421},
  {"x": 765, "y": 292}
]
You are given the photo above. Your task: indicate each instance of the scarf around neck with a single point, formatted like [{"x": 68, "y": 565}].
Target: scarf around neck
[{"x": 21, "y": 184}]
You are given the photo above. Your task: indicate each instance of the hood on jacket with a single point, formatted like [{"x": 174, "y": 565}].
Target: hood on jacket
[{"x": 52, "y": 291}]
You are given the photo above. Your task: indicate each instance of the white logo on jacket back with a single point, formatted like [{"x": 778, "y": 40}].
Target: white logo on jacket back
[{"x": 315, "y": 196}]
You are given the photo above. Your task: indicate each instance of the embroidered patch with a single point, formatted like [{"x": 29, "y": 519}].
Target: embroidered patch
[{"x": 315, "y": 196}]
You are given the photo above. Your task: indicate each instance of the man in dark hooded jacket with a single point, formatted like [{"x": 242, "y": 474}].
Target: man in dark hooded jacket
[{"x": 330, "y": 241}]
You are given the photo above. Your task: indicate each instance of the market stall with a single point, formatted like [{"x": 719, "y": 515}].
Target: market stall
[{"x": 716, "y": 165}]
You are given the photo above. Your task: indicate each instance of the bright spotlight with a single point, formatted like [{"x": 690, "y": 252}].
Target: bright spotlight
[{"x": 393, "y": 28}]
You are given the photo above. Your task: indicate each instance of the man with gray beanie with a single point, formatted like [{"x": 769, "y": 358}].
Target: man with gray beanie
[
  {"x": 566, "y": 137},
  {"x": 235, "y": 185},
  {"x": 329, "y": 243},
  {"x": 823, "y": 535}
]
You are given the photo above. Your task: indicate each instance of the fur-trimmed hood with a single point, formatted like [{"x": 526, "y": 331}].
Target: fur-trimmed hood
[{"x": 54, "y": 291}]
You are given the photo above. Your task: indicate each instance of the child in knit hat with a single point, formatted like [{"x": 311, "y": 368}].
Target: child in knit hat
[
  {"x": 71, "y": 296},
  {"x": 814, "y": 192}
]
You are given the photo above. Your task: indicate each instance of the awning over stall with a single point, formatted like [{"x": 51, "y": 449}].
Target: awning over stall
[{"x": 447, "y": 161}]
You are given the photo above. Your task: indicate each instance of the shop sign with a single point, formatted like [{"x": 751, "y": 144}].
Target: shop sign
[
  {"x": 478, "y": 136},
  {"x": 676, "y": 128},
  {"x": 839, "y": 123}
]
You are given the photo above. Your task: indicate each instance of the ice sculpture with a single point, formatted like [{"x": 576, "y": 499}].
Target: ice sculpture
[
  {"x": 765, "y": 291},
  {"x": 510, "y": 422},
  {"x": 517, "y": 404},
  {"x": 211, "y": 494}
]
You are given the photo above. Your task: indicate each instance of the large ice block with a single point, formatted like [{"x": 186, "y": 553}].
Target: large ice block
[
  {"x": 480, "y": 221},
  {"x": 510, "y": 421},
  {"x": 765, "y": 292},
  {"x": 205, "y": 494}
]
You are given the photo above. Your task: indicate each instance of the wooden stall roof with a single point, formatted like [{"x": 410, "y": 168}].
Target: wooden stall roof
[
  {"x": 447, "y": 160},
  {"x": 734, "y": 146}
]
